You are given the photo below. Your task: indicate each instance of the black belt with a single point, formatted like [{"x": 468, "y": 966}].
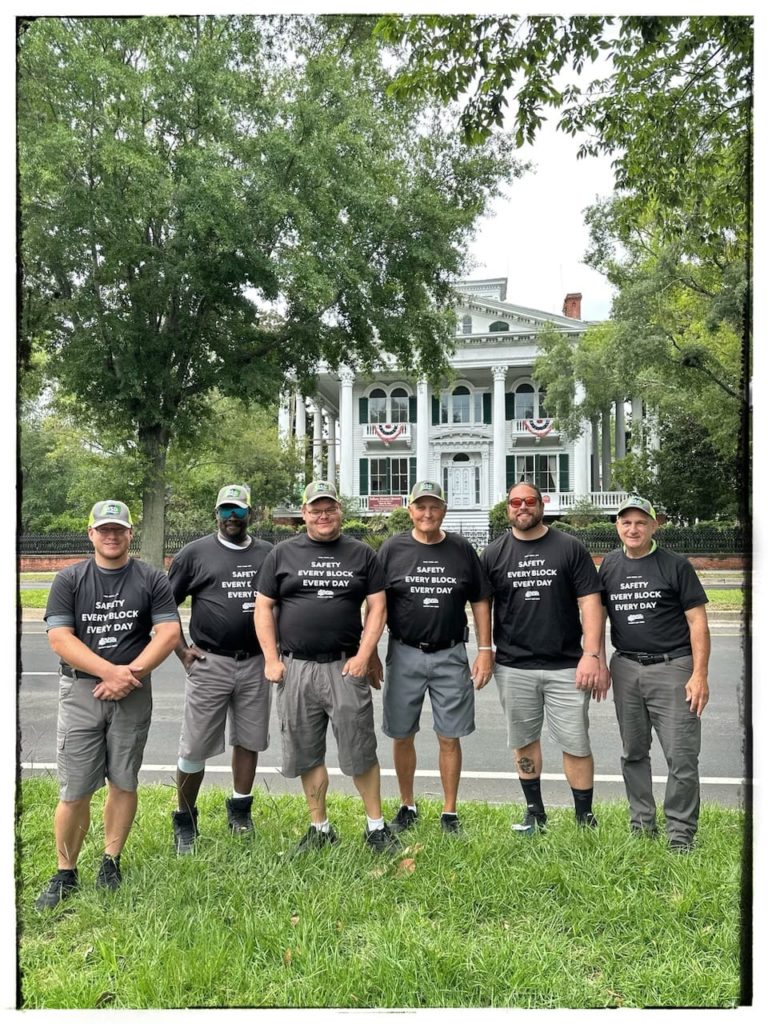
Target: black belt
[
  {"x": 428, "y": 648},
  {"x": 643, "y": 658},
  {"x": 323, "y": 658},
  {"x": 72, "y": 673},
  {"x": 235, "y": 655}
]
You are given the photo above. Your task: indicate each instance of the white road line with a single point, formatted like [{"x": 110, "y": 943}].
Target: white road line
[{"x": 48, "y": 766}]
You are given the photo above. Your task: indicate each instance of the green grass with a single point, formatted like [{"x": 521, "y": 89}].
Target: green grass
[{"x": 568, "y": 919}]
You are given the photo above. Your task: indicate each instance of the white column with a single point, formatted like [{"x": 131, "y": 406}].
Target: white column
[
  {"x": 346, "y": 434},
  {"x": 422, "y": 431},
  {"x": 580, "y": 482},
  {"x": 331, "y": 449},
  {"x": 301, "y": 432},
  {"x": 284, "y": 418},
  {"x": 317, "y": 441},
  {"x": 499, "y": 427}
]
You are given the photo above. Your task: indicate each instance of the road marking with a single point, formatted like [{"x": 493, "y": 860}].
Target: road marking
[{"x": 221, "y": 769}]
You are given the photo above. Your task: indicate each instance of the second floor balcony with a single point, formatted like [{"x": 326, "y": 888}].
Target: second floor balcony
[{"x": 387, "y": 435}]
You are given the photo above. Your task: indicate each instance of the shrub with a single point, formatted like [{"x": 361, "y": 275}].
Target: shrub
[{"x": 398, "y": 520}]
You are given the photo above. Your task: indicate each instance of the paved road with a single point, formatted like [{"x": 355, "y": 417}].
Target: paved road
[{"x": 488, "y": 770}]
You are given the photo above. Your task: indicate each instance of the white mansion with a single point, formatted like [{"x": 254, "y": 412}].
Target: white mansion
[{"x": 488, "y": 428}]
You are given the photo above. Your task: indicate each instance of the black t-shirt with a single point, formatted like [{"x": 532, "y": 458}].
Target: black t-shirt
[
  {"x": 222, "y": 583},
  {"x": 647, "y": 598},
  {"x": 319, "y": 588},
  {"x": 112, "y": 611},
  {"x": 428, "y": 586},
  {"x": 536, "y": 583}
]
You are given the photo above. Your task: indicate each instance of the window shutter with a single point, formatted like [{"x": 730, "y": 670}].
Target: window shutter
[
  {"x": 411, "y": 472},
  {"x": 363, "y": 472},
  {"x": 486, "y": 407},
  {"x": 412, "y": 408},
  {"x": 564, "y": 482},
  {"x": 435, "y": 410},
  {"x": 509, "y": 405},
  {"x": 510, "y": 471},
  {"x": 363, "y": 410}
]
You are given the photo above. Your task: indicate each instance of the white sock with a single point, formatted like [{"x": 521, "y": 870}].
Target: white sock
[
  {"x": 411, "y": 807},
  {"x": 322, "y": 826},
  {"x": 374, "y": 824},
  {"x": 239, "y": 796}
]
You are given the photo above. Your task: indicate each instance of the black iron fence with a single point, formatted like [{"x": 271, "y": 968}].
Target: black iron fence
[{"x": 598, "y": 540}]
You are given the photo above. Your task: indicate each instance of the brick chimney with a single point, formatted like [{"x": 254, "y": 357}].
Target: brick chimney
[{"x": 572, "y": 305}]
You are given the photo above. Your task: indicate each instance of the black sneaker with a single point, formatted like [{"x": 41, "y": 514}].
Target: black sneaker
[
  {"x": 315, "y": 839},
  {"x": 110, "y": 876},
  {"x": 60, "y": 887},
  {"x": 586, "y": 820},
  {"x": 531, "y": 824},
  {"x": 681, "y": 845},
  {"x": 644, "y": 831},
  {"x": 450, "y": 823},
  {"x": 239, "y": 815},
  {"x": 405, "y": 818},
  {"x": 185, "y": 831},
  {"x": 383, "y": 840}
]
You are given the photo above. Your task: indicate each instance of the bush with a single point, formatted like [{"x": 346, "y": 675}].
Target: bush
[
  {"x": 498, "y": 518},
  {"x": 560, "y": 524},
  {"x": 398, "y": 521}
]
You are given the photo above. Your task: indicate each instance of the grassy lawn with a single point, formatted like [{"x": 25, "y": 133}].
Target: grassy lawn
[{"x": 567, "y": 919}]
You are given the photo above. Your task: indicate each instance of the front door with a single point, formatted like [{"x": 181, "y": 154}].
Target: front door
[{"x": 462, "y": 484}]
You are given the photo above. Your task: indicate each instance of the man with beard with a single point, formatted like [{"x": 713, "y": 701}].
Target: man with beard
[
  {"x": 311, "y": 590},
  {"x": 224, "y": 664},
  {"x": 549, "y": 633}
]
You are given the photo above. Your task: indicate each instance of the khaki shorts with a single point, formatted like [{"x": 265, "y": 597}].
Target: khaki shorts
[
  {"x": 311, "y": 695},
  {"x": 220, "y": 689},
  {"x": 526, "y": 692},
  {"x": 100, "y": 739}
]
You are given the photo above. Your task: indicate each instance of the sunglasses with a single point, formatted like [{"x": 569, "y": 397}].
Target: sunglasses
[
  {"x": 232, "y": 510},
  {"x": 529, "y": 502}
]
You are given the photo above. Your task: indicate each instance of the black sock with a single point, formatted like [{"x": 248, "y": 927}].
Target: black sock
[
  {"x": 582, "y": 800},
  {"x": 532, "y": 794},
  {"x": 67, "y": 873},
  {"x": 449, "y": 814}
]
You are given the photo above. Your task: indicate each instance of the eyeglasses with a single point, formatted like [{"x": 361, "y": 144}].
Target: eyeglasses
[
  {"x": 317, "y": 512},
  {"x": 529, "y": 502},
  {"x": 104, "y": 530},
  {"x": 232, "y": 510}
]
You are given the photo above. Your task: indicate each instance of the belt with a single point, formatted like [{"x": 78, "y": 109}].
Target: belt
[
  {"x": 323, "y": 658},
  {"x": 72, "y": 673},
  {"x": 235, "y": 655},
  {"x": 428, "y": 648},
  {"x": 643, "y": 658}
]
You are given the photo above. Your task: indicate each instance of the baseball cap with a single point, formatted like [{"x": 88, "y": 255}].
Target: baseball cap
[
  {"x": 319, "y": 489},
  {"x": 234, "y": 494},
  {"x": 635, "y": 502},
  {"x": 110, "y": 511},
  {"x": 426, "y": 489}
]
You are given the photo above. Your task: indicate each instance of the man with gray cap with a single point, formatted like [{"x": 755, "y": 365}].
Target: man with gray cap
[
  {"x": 659, "y": 629},
  {"x": 430, "y": 576},
  {"x": 224, "y": 664},
  {"x": 111, "y": 619},
  {"x": 311, "y": 589}
]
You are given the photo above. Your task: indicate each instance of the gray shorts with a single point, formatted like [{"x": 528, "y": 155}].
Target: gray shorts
[
  {"x": 310, "y": 696},
  {"x": 100, "y": 739},
  {"x": 445, "y": 674},
  {"x": 526, "y": 692},
  {"x": 220, "y": 689}
]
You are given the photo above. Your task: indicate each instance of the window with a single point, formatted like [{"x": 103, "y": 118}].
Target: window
[
  {"x": 498, "y": 325},
  {"x": 524, "y": 402},
  {"x": 381, "y": 407},
  {"x": 466, "y": 325},
  {"x": 389, "y": 476},
  {"x": 399, "y": 406},
  {"x": 460, "y": 405},
  {"x": 537, "y": 469},
  {"x": 377, "y": 406},
  {"x": 463, "y": 405}
]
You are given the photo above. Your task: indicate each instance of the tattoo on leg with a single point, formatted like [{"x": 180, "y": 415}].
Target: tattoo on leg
[{"x": 526, "y": 765}]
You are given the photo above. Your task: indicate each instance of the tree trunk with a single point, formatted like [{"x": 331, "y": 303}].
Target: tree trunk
[
  {"x": 154, "y": 445},
  {"x": 606, "y": 423}
]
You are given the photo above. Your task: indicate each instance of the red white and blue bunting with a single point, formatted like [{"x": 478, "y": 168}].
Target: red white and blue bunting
[
  {"x": 388, "y": 432},
  {"x": 538, "y": 427}
]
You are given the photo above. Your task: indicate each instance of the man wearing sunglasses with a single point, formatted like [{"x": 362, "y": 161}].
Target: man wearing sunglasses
[
  {"x": 111, "y": 619},
  {"x": 318, "y": 654},
  {"x": 550, "y": 651},
  {"x": 224, "y": 664}
]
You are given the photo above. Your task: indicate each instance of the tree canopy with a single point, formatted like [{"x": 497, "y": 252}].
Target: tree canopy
[{"x": 211, "y": 203}]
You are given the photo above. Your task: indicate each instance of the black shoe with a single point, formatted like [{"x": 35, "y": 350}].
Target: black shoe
[
  {"x": 185, "y": 831},
  {"x": 681, "y": 845},
  {"x": 239, "y": 815},
  {"x": 383, "y": 840},
  {"x": 531, "y": 824},
  {"x": 315, "y": 839},
  {"x": 450, "y": 823},
  {"x": 586, "y": 820},
  {"x": 60, "y": 887},
  {"x": 110, "y": 876},
  {"x": 644, "y": 831},
  {"x": 404, "y": 819}
]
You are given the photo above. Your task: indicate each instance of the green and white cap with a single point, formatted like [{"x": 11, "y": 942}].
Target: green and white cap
[
  {"x": 319, "y": 489},
  {"x": 234, "y": 494},
  {"x": 636, "y": 502},
  {"x": 110, "y": 511},
  {"x": 427, "y": 489}
]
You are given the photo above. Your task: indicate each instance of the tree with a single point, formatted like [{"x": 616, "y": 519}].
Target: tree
[{"x": 209, "y": 204}]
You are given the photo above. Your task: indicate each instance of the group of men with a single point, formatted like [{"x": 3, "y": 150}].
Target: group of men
[{"x": 289, "y": 616}]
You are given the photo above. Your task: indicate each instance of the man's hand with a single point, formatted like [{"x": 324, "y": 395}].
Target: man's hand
[
  {"x": 274, "y": 670},
  {"x": 482, "y": 669},
  {"x": 697, "y": 693},
  {"x": 118, "y": 683},
  {"x": 356, "y": 666},
  {"x": 603, "y": 685},
  {"x": 375, "y": 671},
  {"x": 189, "y": 655},
  {"x": 587, "y": 672}
]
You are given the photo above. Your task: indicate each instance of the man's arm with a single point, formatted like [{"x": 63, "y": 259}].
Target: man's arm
[
  {"x": 266, "y": 633},
  {"x": 375, "y": 620},
  {"x": 74, "y": 652},
  {"x": 482, "y": 668},
  {"x": 591, "y": 672},
  {"x": 165, "y": 638},
  {"x": 697, "y": 687}
]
